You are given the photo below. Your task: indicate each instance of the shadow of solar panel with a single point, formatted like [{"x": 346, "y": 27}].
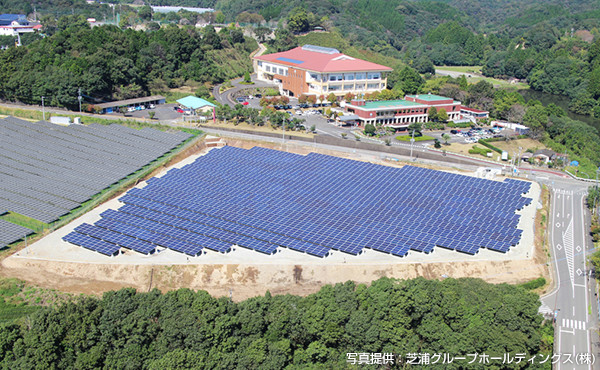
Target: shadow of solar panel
[
  {"x": 151, "y": 236},
  {"x": 116, "y": 238}
]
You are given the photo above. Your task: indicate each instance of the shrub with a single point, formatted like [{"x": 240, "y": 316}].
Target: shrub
[
  {"x": 478, "y": 150},
  {"x": 492, "y": 147},
  {"x": 534, "y": 284}
]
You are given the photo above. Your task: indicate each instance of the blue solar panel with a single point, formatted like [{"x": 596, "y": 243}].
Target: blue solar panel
[
  {"x": 263, "y": 199},
  {"x": 289, "y": 60},
  {"x": 94, "y": 244}
]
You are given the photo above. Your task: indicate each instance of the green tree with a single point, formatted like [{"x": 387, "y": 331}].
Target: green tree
[
  {"x": 415, "y": 127},
  {"x": 442, "y": 115},
  {"x": 261, "y": 33},
  {"x": 247, "y": 78},
  {"x": 446, "y": 137},
  {"x": 145, "y": 13},
  {"x": 298, "y": 21},
  {"x": 432, "y": 114},
  {"x": 219, "y": 17},
  {"x": 436, "y": 144},
  {"x": 331, "y": 98},
  {"x": 536, "y": 119},
  {"x": 407, "y": 79},
  {"x": 370, "y": 129}
]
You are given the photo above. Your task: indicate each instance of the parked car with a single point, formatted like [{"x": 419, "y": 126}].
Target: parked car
[
  {"x": 245, "y": 103},
  {"x": 179, "y": 110}
]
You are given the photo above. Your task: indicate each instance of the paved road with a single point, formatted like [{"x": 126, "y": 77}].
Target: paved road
[{"x": 571, "y": 301}]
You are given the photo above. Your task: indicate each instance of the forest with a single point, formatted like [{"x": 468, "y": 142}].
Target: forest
[
  {"x": 108, "y": 63},
  {"x": 186, "y": 329}
]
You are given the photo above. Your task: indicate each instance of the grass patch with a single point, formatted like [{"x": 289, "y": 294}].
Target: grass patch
[
  {"x": 417, "y": 138},
  {"x": 23, "y": 113},
  {"x": 534, "y": 284},
  {"x": 11, "y": 312},
  {"x": 464, "y": 69},
  {"x": 172, "y": 96},
  {"x": 28, "y": 222}
]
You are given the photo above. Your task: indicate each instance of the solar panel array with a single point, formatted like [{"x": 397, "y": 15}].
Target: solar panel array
[
  {"x": 264, "y": 199},
  {"x": 47, "y": 170},
  {"x": 10, "y": 233}
]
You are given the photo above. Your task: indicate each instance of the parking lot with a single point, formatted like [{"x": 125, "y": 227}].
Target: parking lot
[{"x": 472, "y": 135}]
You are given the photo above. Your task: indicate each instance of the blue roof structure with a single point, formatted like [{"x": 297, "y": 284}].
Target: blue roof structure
[
  {"x": 194, "y": 102},
  {"x": 259, "y": 199},
  {"x": 7, "y": 19}
]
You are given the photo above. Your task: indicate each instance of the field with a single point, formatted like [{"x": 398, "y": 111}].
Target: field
[
  {"x": 464, "y": 69},
  {"x": 476, "y": 76}
]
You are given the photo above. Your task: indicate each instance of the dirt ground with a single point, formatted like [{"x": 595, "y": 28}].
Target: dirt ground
[
  {"x": 511, "y": 146},
  {"x": 244, "y": 280}
]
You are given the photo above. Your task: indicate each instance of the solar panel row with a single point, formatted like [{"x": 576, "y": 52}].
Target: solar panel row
[
  {"x": 47, "y": 170},
  {"x": 263, "y": 199}
]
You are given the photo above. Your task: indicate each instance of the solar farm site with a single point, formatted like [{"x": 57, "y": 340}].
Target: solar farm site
[
  {"x": 47, "y": 170},
  {"x": 269, "y": 202}
]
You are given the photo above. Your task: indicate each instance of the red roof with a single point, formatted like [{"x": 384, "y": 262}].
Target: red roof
[
  {"x": 474, "y": 110},
  {"x": 321, "y": 62}
]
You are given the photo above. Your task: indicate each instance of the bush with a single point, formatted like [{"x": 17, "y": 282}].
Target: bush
[
  {"x": 478, "y": 150},
  {"x": 487, "y": 144},
  {"x": 369, "y": 129},
  {"x": 452, "y": 124},
  {"x": 417, "y": 138},
  {"x": 534, "y": 284}
]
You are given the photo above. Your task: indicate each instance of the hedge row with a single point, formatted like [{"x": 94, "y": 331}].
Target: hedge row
[{"x": 487, "y": 144}]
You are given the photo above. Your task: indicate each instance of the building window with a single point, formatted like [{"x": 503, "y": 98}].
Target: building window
[
  {"x": 268, "y": 68},
  {"x": 372, "y": 86},
  {"x": 334, "y": 87},
  {"x": 259, "y": 63},
  {"x": 349, "y": 77},
  {"x": 360, "y": 76},
  {"x": 348, "y": 87}
]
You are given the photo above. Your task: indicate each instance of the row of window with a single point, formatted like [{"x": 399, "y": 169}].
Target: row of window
[
  {"x": 401, "y": 111},
  {"x": 351, "y": 87},
  {"x": 276, "y": 70}
]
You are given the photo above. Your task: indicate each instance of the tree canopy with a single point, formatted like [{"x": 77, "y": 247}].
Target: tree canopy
[{"x": 186, "y": 329}]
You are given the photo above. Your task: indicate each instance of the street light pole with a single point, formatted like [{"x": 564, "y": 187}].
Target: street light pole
[
  {"x": 412, "y": 142},
  {"x": 43, "y": 110}
]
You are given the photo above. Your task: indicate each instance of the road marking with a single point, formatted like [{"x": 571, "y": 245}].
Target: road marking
[
  {"x": 579, "y": 272},
  {"x": 569, "y": 254},
  {"x": 573, "y": 310},
  {"x": 558, "y": 246},
  {"x": 558, "y": 224},
  {"x": 573, "y": 324},
  {"x": 578, "y": 249}
]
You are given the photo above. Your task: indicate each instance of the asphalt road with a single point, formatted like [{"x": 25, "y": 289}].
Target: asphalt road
[{"x": 573, "y": 300}]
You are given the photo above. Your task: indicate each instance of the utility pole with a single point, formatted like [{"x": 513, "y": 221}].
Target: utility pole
[
  {"x": 412, "y": 142},
  {"x": 79, "y": 98},
  {"x": 43, "y": 110}
]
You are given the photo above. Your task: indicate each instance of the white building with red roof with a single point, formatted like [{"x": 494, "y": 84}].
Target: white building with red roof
[{"x": 316, "y": 70}]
